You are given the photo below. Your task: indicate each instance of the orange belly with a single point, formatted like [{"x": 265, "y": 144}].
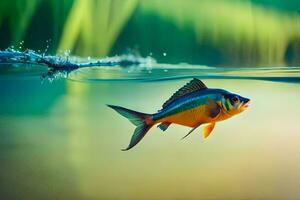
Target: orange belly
[
  {"x": 190, "y": 118},
  {"x": 222, "y": 116}
]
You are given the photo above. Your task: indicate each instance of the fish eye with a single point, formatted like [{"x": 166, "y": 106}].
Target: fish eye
[{"x": 235, "y": 99}]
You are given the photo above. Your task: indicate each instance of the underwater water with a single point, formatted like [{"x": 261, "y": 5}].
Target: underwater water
[{"x": 59, "y": 140}]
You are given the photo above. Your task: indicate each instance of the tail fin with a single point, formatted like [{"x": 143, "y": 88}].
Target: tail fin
[{"x": 141, "y": 120}]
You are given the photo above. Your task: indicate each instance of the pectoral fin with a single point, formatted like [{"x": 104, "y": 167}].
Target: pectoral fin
[
  {"x": 213, "y": 109},
  {"x": 208, "y": 129},
  {"x": 191, "y": 131}
]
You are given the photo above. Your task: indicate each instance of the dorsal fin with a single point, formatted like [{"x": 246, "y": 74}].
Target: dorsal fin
[{"x": 192, "y": 86}]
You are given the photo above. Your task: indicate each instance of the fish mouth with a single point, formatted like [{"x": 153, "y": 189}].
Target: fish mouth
[{"x": 246, "y": 104}]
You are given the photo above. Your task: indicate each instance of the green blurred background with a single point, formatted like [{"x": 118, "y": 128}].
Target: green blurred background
[{"x": 239, "y": 33}]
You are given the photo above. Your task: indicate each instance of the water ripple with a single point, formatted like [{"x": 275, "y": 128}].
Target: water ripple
[{"x": 165, "y": 72}]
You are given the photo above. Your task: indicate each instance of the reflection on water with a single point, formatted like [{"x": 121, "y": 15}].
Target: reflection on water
[
  {"x": 71, "y": 149},
  {"x": 165, "y": 72}
]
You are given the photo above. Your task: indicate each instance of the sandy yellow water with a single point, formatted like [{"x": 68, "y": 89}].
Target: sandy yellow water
[{"x": 72, "y": 148}]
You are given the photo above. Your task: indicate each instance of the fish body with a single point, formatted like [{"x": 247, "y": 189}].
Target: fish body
[
  {"x": 191, "y": 109},
  {"x": 192, "y": 105}
]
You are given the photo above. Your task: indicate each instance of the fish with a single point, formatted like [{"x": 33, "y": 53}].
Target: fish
[{"x": 193, "y": 105}]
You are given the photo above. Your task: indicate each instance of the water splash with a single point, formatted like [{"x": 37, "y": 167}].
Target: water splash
[
  {"x": 129, "y": 68},
  {"x": 58, "y": 65}
]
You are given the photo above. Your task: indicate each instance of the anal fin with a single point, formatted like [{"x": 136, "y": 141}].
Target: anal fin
[
  {"x": 164, "y": 125},
  {"x": 208, "y": 129}
]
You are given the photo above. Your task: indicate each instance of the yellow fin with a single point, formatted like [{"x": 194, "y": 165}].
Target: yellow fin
[{"x": 208, "y": 129}]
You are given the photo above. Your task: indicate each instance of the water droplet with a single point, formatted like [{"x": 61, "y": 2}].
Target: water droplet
[
  {"x": 164, "y": 54},
  {"x": 67, "y": 53}
]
